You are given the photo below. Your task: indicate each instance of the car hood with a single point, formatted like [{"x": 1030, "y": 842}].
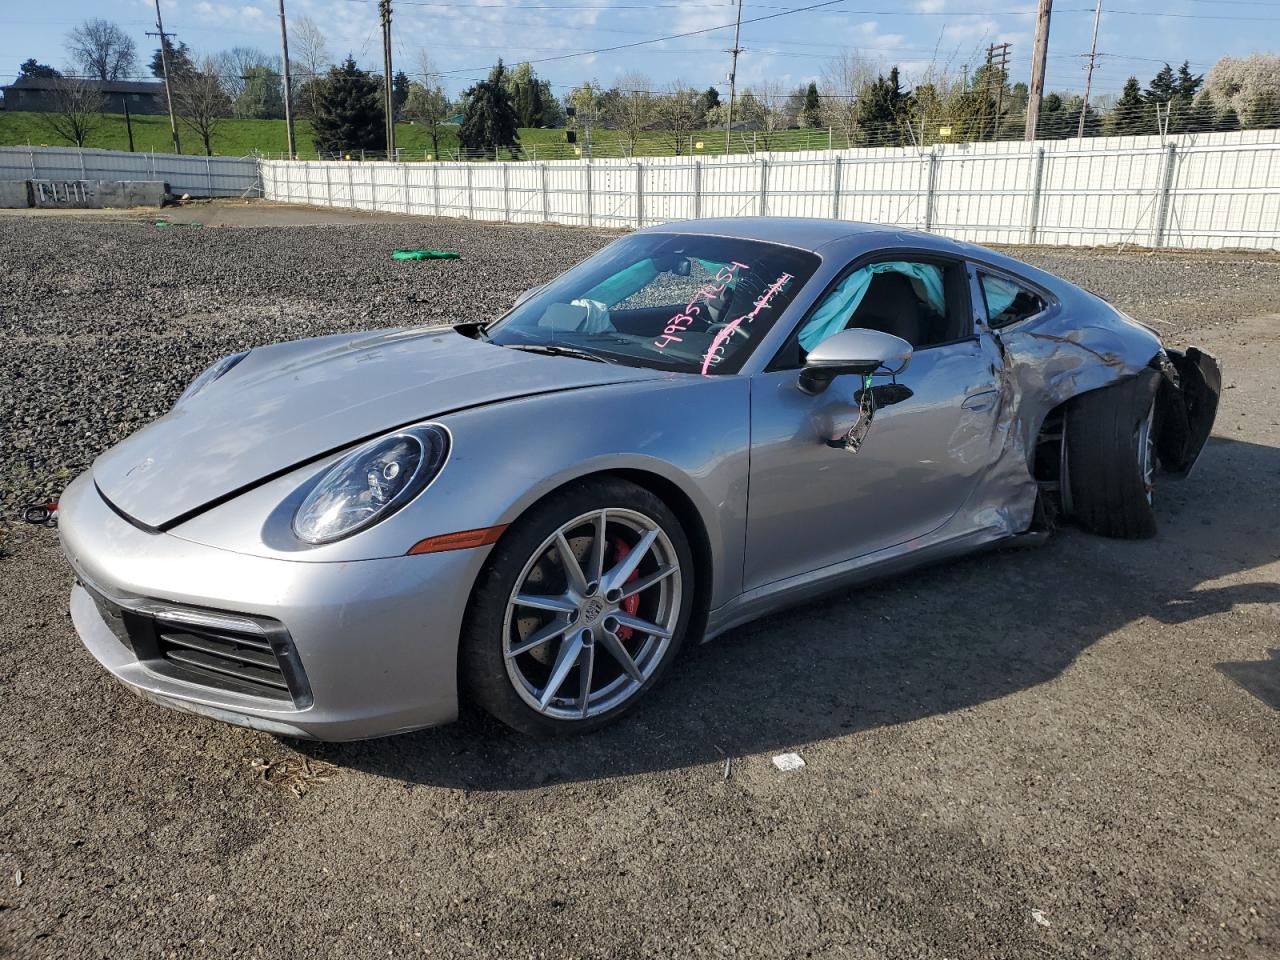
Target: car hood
[{"x": 289, "y": 403}]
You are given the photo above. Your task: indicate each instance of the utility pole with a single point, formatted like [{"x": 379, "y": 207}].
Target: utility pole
[
  {"x": 1088, "y": 77},
  {"x": 1038, "y": 61},
  {"x": 733, "y": 78},
  {"x": 997, "y": 73},
  {"x": 164, "y": 67},
  {"x": 128, "y": 121},
  {"x": 288, "y": 86},
  {"x": 384, "y": 8}
]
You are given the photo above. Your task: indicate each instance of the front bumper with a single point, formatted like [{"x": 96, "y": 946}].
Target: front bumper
[{"x": 375, "y": 640}]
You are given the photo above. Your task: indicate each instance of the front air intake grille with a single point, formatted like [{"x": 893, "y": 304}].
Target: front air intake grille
[{"x": 236, "y": 652}]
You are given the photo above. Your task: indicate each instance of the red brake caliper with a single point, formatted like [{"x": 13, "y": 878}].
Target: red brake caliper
[{"x": 631, "y": 604}]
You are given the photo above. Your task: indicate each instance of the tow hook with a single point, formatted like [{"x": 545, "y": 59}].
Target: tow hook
[{"x": 41, "y": 514}]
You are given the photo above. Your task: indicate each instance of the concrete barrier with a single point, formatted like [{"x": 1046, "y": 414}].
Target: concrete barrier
[
  {"x": 15, "y": 194},
  {"x": 97, "y": 194}
]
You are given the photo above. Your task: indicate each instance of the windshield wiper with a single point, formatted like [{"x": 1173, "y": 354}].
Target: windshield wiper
[{"x": 558, "y": 351}]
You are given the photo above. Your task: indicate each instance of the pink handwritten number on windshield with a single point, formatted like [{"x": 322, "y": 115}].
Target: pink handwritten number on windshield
[
  {"x": 681, "y": 321},
  {"x": 716, "y": 351}
]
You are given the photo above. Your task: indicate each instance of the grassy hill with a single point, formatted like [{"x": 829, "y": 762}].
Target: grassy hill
[{"x": 237, "y": 138}]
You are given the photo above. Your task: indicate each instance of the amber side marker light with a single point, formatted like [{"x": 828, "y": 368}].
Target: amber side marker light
[{"x": 462, "y": 540}]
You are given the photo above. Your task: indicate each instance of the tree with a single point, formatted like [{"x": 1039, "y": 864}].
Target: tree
[
  {"x": 489, "y": 121},
  {"x": 1188, "y": 84},
  {"x": 198, "y": 98},
  {"x": 881, "y": 110},
  {"x": 180, "y": 62},
  {"x": 236, "y": 65},
  {"x": 311, "y": 58},
  {"x": 631, "y": 108},
  {"x": 1128, "y": 116},
  {"x": 678, "y": 115},
  {"x": 102, "y": 50},
  {"x": 528, "y": 96},
  {"x": 427, "y": 103},
  {"x": 710, "y": 100},
  {"x": 78, "y": 106},
  {"x": 843, "y": 79},
  {"x": 768, "y": 113},
  {"x": 399, "y": 91},
  {"x": 1247, "y": 87},
  {"x": 348, "y": 111},
  {"x": 1163, "y": 88},
  {"x": 36, "y": 71},
  {"x": 261, "y": 95},
  {"x": 811, "y": 112}
]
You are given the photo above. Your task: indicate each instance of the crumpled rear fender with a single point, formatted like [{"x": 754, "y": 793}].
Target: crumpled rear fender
[{"x": 1187, "y": 405}]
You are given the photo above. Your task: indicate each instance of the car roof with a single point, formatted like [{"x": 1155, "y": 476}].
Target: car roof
[{"x": 806, "y": 233}]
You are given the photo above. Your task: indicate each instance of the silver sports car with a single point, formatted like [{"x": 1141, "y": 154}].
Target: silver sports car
[{"x": 341, "y": 537}]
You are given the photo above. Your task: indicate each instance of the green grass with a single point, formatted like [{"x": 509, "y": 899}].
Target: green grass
[{"x": 237, "y": 138}]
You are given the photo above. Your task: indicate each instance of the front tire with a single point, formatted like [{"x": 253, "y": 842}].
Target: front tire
[
  {"x": 580, "y": 610},
  {"x": 1111, "y": 458}
]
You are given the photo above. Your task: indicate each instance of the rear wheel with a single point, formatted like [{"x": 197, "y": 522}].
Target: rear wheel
[
  {"x": 580, "y": 610},
  {"x": 1110, "y": 459}
]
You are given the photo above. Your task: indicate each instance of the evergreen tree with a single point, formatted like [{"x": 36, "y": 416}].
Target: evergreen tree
[
  {"x": 348, "y": 111},
  {"x": 1128, "y": 116},
  {"x": 1188, "y": 84},
  {"x": 489, "y": 120},
  {"x": 1164, "y": 86},
  {"x": 882, "y": 106},
  {"x": 525, "y": 91},
  {"x": 710, "y": 100},
  {"x": 180, "y": 62},
  {"x": 399, "y": 91},
  {"x": 37, "y": 71},
  {"x": 811, "y": 113}
]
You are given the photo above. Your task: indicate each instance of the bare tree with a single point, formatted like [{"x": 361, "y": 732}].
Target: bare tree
[
  {"x": 310, "y": 61},
  {"x": 428, "y": 104},
  {"x": 634, "y": 109},
  {"x": 843, "y": 79},
  {"x": 102, "y": 50},
  {"x": 677, "y": 114},
  {"x": 78, "y": 106},
  {"x": 201, "y": 102},
  {"x": 234, "y": 66},
  {"x": 771, "y": 112}
]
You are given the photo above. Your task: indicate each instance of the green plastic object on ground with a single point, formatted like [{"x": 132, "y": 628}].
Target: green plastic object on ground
[
  {"x": 170, "y": 223},
  {"x": 425, "y": 255}
]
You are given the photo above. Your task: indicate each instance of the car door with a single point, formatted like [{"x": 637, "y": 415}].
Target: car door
[{"x": 813, "y": 504}]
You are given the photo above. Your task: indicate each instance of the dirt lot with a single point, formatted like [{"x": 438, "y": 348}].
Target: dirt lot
[{"x": 1069, "y": 751}]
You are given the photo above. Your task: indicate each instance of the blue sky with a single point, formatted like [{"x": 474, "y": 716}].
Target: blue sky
[{"x": 464, "y": 36}]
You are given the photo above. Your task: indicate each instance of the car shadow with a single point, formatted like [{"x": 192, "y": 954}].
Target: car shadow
[{"x": 928, "y": 642}]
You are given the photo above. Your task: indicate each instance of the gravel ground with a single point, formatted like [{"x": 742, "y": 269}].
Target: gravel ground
[{"x": 1072, "y": 751}]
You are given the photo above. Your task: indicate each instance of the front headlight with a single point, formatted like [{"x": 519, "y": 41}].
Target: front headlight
[
  {"x": 216, "y": 370},
  {"x": 371, "y": 483}
]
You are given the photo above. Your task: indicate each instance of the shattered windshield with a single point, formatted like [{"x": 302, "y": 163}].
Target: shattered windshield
[{"x": 687, "y": 303}]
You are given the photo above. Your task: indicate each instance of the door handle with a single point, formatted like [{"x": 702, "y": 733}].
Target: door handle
[{"x": 978, "y": 402}]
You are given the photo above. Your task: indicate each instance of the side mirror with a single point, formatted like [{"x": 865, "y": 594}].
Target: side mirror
[
  {"x": 525, "y": 295},
  {"x": 856, "y": 351}
]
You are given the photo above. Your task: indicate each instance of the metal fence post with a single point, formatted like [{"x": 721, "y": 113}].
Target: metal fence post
[
  {"x": 639, "y": 195},
  {"x": 1033, "y": 209},
  {"x": 546, "y": 209},
  {"x": 471, "y": 200},
  {"x": 435, "y": 186},
  {"x": 404, "y": 170},
  {"x": 1161, "y": 221},
  {"x": 697, "y": 189},
  {"x": 931, "y": 177},
  {"x": 835, "y": 188},
  {"x": 506, "y": 193},
  {"x": 764, "y": 186},
  {"x": 586, "y": 169},
  {"x": 351, "y": 187},
  {"x": 328, "y": 185},
  {"x": 31, "y": 152},
  {"x": 83, "y": 175},
  {"x": 208, "y": 178}
]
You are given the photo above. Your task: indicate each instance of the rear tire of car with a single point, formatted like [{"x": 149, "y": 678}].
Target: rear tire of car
[
  {"x": 498, "y": 682},
  {"x": 1111, "y": 458}
]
